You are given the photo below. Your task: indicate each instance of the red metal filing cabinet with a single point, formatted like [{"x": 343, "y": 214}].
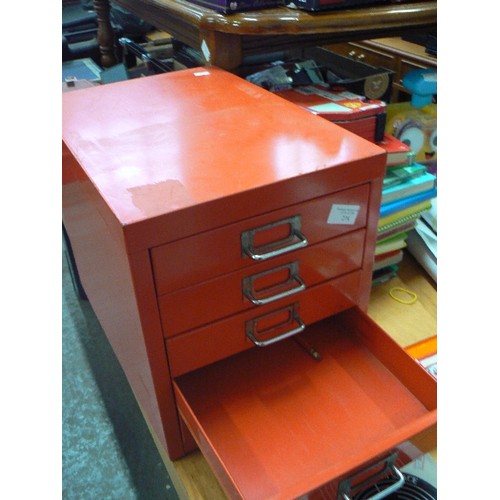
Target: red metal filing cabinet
[{"x": 225, "y": 240}]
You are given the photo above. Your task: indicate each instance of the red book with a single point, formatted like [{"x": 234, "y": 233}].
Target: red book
[
  {"x": 364, "y": 117},
  {"x": 387, "y": 259},
  {"x": 398, "y": 153}
]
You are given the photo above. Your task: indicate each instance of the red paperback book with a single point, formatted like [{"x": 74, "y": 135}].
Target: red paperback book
[
  {"x": 348, "y": 110},
  {"x": 398, "y": 153}
]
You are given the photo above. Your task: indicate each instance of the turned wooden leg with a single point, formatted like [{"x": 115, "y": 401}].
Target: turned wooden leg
[{"x": 105, "y": 35}]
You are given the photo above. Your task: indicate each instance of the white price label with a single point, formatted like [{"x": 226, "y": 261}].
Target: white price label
[{"x": 343, "y": 214}]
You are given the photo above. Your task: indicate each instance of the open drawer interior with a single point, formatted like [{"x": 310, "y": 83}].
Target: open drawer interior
[{"x": 275, "y": 422}]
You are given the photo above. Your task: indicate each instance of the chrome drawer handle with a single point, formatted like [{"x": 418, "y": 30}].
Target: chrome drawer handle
[
  {"x": 346, "y": 485},
  {"x": 249, "y": 282},
  {"x": 250, "y": 327},
  {"x": 387, "y": 491},
  {"x": 293, "y": 241}
]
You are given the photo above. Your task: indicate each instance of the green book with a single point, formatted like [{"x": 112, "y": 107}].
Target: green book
[
  {"x": 394, "y": 242},
  {"x": 408, "y": 187},
  {"x": 403, "y": 173}
]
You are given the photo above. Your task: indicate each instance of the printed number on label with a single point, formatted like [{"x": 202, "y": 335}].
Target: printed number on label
[{"x": 343, "y": 214}]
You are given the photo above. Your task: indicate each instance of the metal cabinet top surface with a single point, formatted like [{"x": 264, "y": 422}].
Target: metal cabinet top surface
[{"x": 155, "y": 145}]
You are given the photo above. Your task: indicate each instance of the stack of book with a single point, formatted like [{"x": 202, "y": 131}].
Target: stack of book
[
  {"x": 408, "y": 191},
  {"x": 422, "y": 240}
]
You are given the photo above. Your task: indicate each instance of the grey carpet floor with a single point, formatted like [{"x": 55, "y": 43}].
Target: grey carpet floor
[{"x": 107, "y": 450}]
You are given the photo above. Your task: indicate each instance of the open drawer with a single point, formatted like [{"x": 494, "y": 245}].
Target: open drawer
[{"x": 275, "y": 422}]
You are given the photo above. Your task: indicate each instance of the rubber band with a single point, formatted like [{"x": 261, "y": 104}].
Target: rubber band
[{"x": 413, "y": 295}]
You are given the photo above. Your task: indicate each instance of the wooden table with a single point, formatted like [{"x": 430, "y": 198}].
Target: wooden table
[
  {"x": 407, "y": 324},
  {"x": 227, "y": 40}
]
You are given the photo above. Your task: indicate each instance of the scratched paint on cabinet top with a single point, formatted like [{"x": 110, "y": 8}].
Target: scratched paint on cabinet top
[{"x": 157, "y": 144}]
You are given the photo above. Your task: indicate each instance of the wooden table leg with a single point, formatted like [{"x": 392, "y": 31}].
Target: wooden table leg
[
  {"x": 221, "y": 49},
  {"x": 105, "y": 35}
]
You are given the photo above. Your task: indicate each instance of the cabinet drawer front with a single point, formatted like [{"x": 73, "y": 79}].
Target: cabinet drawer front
[
  {"x": 224, "y": 338},
  {"x": 260, "y": 284},
  {"x": 207, "y": 255},
  {"x": 276, "y": 423}
]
